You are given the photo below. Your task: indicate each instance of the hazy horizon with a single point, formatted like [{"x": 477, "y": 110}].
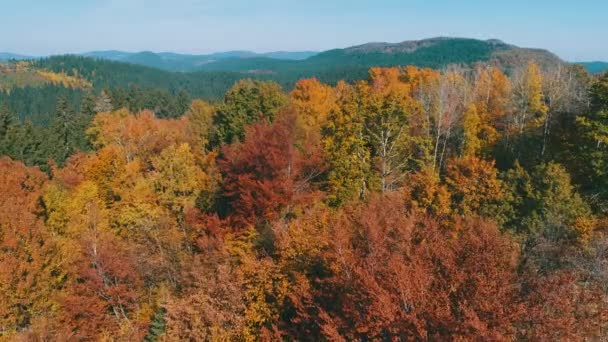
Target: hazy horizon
[{"x": 573, "y": 31}]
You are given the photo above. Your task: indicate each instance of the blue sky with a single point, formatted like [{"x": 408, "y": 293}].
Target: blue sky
[{"x": 575, "y": 30}]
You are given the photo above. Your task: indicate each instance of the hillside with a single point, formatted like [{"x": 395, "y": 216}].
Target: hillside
[
  {"x": 109, "y": 74},
  {"x": 155, "y": 86},
  {"x": 23, "y": 74},
  {"x": 348, "y": 64},
  {"x": 336, "y": 63},
  {"x": 212, "y": 79},
  {"x": 432, "y": 53}
]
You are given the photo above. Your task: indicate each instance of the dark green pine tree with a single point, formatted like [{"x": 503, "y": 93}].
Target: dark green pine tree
[
  {"x": 157, "y": 326},
  {"x": 8, "y": 125},
  {"x": 29, "y": 144},
  {"x": 7, "y": 121},
  {"x": 182, "y": 103},
  {"x": 62, "y": 129},
  {"x": 67, "y": 132},
  {"x": 119, "y": 98},
  {"x": 135, "y": 99},
  {"x": 591, "y": 142}
]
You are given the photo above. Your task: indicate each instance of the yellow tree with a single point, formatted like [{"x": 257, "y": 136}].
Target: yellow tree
[
  {"x": 386, "y": 104},
  {"x": 529, "y": 108},
  {"x": 177, "y": 177},
  {"x": 138, "y": 136},
  {"x": 344, "y": 144},
  {"x": 475, "y": 188},
  {"x": 426, "y": 194},
  {"x": 313, "y": 102},
  {"x": 200, "y": 120},
  {"x": 491, "y": 97},
  {"x": 471, "y": 126}
]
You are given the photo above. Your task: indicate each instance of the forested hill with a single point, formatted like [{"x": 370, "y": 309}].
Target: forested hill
[
  {"x": 136, "y": 86},
  {"x": 434, "y": 53},
  {"x": 214, "y": 78},
  {"x": 109, "y": 74}
]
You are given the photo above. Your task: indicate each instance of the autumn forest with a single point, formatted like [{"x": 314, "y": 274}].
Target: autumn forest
[{"x": 459, "y": 203}]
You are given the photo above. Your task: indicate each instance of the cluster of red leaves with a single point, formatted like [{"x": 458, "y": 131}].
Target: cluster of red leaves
[{"x": 267, "y": 174}]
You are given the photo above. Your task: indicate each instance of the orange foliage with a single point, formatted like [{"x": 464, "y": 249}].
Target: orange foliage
[
  {"x": 400, "y": 276},
  {"x": 141, "y": 135},
  {"x": 29, "y": 265},
  {"x": 313, "y": 101},
  {"x": 361, "y": 212},
  {"x": 475, "y": 188}
]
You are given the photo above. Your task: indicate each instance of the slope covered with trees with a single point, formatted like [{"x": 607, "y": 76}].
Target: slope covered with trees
[
  {"x": 417, "y": 204},
  {"x": 32, "y": 92}
]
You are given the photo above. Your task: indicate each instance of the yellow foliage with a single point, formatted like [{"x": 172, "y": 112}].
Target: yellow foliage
[
  {"x": 200, "y": 121},
  {"x": 471, "y": 127},
  {"x": 86, "y": 210},
  {"x": 177, "y": 178},
  {"x": 65, "y": 79}
]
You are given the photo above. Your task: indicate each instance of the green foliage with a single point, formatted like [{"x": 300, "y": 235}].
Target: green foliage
[
  {"x": 38, "y": 104},
  {"x": 547, "y": 204},
  {"x": 27, "y": 143},
  {"x": 248, "y": 102},
  {"x": 344, "y": 144},
  {"x": 108, "y": 75},
  {"x": 591, "y": 146},
  {"x": 67, "y": 131},
  {"x": 157, "y": 326}
]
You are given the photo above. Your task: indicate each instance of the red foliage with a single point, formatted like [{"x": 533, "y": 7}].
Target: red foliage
[
  {"x": 207, "y": 229},
  {"x": 563, "y": 307},
  {"x": 266, "y": 175},
  {"x": 404, "y": 277},
  {"x": 104, "y": 295}
]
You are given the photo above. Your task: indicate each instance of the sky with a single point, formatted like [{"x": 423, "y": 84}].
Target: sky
[{"x": 574, "y": 30}]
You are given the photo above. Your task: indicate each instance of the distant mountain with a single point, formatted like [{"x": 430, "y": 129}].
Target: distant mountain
[
  {"x": 5, "y": 56},
  {"x": 349, "y": 63},
  {"x": 209, "y": 76},
  {"x": 295, "y": 56},
  {"x": 112, "y": 55},
  {"x": 184, "y": 62},
  {"x": 433, "y": 53},
  {"x": 595, "y": 67},
  {"x": 353, "y": 62}
]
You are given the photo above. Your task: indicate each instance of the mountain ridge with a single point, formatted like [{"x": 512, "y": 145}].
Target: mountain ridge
[
  {"x": 467, "y": 50},
  {"x": 211, "y": 80}
]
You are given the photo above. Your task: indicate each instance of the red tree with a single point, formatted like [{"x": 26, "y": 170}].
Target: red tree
[
  {"x": 396, "y": 276},
  {"x": 104, "y": 296},
  {"x": 266, "y": 175}
]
